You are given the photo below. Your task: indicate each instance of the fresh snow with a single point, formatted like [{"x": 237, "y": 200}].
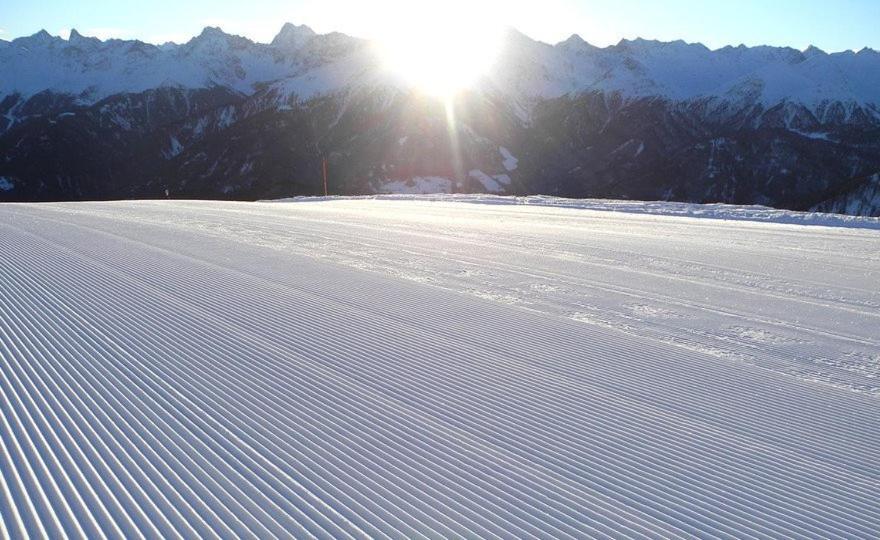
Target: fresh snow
[
  {"x": 422, "y": 368},
  {"x": 817, "y": 135},
  {"x": 720, "y": 211},
  {"x": 489, "y": 183},
  {"x": 508, "y": 160},
  {"x": 417, "y": 185},
  {"x": 174, "y": 148}
]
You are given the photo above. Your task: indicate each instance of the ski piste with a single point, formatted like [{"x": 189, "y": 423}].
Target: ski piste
[{"x": 428, "y": 368}]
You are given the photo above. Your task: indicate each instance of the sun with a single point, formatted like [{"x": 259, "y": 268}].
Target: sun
[{"x": 440, "y": 51}]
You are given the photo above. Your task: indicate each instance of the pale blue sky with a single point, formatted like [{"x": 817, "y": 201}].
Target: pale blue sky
[{"x": 832, "y": 25}]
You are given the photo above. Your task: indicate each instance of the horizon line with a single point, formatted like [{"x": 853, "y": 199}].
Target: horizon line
[{"x": 574, "y": 35}]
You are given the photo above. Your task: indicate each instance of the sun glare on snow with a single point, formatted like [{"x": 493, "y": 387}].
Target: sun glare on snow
[{"x": 440, "y": 50}]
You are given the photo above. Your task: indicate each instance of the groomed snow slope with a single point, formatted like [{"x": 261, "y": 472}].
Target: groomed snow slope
[{"x": 407, "y": 369}]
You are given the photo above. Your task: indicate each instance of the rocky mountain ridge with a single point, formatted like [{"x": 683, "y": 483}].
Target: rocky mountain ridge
[{"x": 222, "y": 116}]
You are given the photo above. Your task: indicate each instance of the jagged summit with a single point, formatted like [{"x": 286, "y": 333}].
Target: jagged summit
[
  {"x": 574, "y": 39},
  {"x": 38, "y": 38},
  {"x": 575, "y": 43},
  {"x": 79, "y": 40},
  {"x": 292, "y": 35},
  {"x": 215, "y": 33},
  {"x": 526, "y": 69},
  {"x": 641, "y": 42},
  {"x": 212, "y": 31},
  {"x": 812, "y": 51}
]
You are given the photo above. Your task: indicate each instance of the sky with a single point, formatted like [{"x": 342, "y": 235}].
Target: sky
[{"x": 832, "y": 25}]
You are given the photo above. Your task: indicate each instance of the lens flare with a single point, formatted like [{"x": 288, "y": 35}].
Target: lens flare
[{"x": 441, "y": 50}]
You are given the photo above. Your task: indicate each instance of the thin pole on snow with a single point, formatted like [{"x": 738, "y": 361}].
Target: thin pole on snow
[{"x": 324, "y": 167}]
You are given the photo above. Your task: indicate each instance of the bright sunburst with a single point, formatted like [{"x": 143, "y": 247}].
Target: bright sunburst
[{"x": 440, "y": 51}]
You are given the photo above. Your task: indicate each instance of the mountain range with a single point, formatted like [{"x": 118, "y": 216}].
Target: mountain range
[{"x": 224, "y": 117}]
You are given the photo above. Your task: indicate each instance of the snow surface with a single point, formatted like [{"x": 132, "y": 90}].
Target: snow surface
[
  {"x": 508, "y": 160},
  {"x": 417, "y": 185},
  {"x": 425, "y": 368},
  {"x": 174, "y": 148},
  {"x": 489, "y": 183},
  {"x": 817, "y": 135},
  {"x": 721, "y": 211}
]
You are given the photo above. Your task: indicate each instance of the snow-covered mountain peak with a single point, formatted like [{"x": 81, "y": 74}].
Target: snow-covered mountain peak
[
  {"x": 210, "y": 32},
  {"x": 629, "y": 45},
  {"x": 574, "y": 40},
  {"x": 575, "y": 44},
  {"x": 528, "y": 70},
  {"x": 812, "y": 51},
  {"x": 91, "y": 69},
  {"x": 83, "y": 42},
  {"x": 42, "y": 36},
  {"x": 293, "y": 36},
  {"x": 653, "y": 46},
  {"x": 680, "y": 71},
  {"x": 214, "y": 39},
  {"x": 39, "y": 39},
  {"x": 513, "y": 37}
]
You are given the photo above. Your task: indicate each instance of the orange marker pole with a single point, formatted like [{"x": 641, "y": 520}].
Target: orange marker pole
[{"x": 324, "y": 166}]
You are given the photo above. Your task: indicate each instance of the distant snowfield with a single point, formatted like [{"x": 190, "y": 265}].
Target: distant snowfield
[
  {"x": 412, "y": 367},
  {"x": 729, "y": 212}
]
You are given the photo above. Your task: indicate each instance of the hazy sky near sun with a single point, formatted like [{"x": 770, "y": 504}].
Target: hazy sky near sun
[{"x": 832, "y": 25}]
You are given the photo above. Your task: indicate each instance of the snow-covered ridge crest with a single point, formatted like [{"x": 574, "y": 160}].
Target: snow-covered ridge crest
[
  {"x": 92, "y": 69},
  {"x": 526, "y": 70},
  {"x": 681, "y": 71}
]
